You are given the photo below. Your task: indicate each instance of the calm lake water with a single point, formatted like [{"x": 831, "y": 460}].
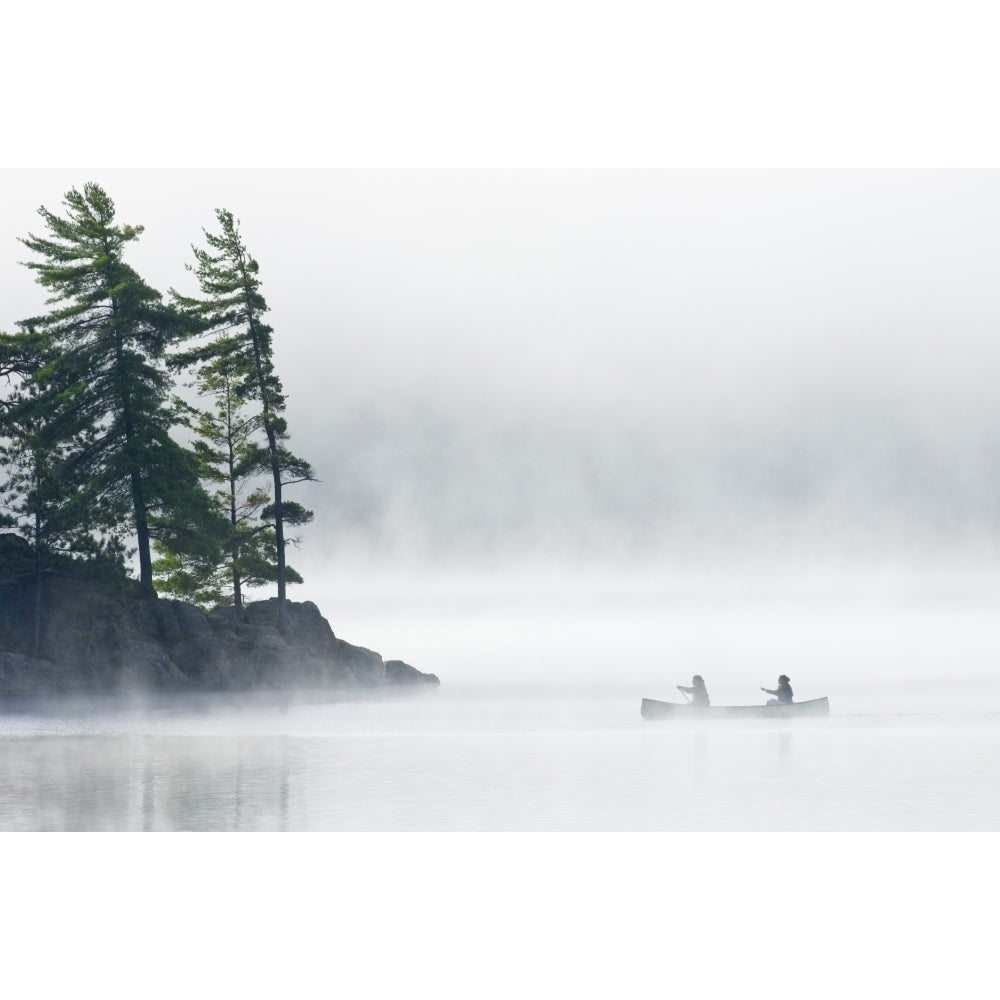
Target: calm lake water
[{"x": 520, "y": 758}]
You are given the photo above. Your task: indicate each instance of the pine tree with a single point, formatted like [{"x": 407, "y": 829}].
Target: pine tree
[
  {"x": 229, "y": 458},
  {"x": 104, "y": 386},
  {"x": 231, "y": 312}
]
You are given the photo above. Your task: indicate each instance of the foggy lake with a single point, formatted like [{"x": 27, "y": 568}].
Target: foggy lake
[
  {"x": 536, "y": 726},
  {"x": 578, "y": 434}
]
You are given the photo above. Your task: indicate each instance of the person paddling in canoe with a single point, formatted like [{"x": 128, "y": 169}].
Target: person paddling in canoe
[
  {"x": 698, "y": 691},
  {"x": 782, "y": 693}
]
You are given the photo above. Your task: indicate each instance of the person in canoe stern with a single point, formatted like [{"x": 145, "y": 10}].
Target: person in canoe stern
[
  {"x": 782, "y": 693},
  {"x": 698, "y": 691}
]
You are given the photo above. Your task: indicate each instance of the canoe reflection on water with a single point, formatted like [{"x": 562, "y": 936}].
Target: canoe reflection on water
[{"x": 652, "y": 709}]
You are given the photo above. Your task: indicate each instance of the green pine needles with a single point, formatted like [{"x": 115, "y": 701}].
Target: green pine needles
[
  {"x": 99, "y": 451},
  {"x": 247, "y": 434}
]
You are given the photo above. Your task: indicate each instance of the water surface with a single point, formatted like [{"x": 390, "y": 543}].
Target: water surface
[{"x": 517, "y": 758}]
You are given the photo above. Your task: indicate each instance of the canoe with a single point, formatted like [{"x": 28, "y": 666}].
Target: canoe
[{"x": 672, "y": 710}]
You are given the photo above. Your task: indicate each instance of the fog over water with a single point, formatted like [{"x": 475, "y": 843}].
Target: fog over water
[
  {"x": 533, "y": 759},
  {"x": 581, "y": 434}
]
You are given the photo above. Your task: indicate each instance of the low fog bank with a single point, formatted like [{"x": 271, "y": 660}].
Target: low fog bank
[
  {"x": 861, "y": 638},
  {"x": 834, "y": 465},
  {"x": 203, "y": 713}
]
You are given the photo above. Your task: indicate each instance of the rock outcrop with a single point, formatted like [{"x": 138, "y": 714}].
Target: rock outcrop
[{"x": 95, "y": 638}]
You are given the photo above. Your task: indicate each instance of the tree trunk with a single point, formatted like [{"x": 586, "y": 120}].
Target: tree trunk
[
  {"x": 36, "y": 634},
  {"x": 142, "y": 539},
  {"x": 279, "y": 537}
]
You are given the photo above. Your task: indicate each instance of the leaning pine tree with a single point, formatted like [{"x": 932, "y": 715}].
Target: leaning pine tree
[
  {"x": 231, "y": 314},
  {"x": 105, "y": 390}
]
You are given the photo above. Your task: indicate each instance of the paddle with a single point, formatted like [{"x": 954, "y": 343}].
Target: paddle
[{"x": 683, "y": 692}]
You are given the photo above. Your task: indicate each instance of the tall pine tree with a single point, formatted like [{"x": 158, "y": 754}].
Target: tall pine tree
[
  {"x": 231, "y": 311},
  {"x": 104, "y": 385}
]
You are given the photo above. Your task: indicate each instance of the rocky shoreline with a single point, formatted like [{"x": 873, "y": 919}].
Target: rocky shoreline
[{"x": 99, "y": 640}]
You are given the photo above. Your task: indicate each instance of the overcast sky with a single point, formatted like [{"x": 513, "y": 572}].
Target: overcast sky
[{"x": 618, "y": 367}]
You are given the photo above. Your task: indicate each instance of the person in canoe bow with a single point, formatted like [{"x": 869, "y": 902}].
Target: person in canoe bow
[
  {"x": 782, "y": 693},
  {"x": 698, "y": 691}
]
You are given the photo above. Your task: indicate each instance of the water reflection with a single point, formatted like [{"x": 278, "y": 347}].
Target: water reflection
[
  {"x": 141, "y": 782},
  {"x": 489, "y": 764}
]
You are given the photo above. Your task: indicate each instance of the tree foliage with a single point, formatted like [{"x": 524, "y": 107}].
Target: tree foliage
[
  {"x": 103, "y": 386},
  {"x": 91, "y": 429},
  {"x": 229, "y": 455},
  {"x": 238, "y": 347}
]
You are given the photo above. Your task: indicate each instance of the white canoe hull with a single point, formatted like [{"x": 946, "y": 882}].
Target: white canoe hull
[{"x": 652, "y": 709}]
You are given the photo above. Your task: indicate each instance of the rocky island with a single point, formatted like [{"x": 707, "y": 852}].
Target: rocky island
[
  {"x": 94, "y": 636},
  {"x": 98, "y": 454}
]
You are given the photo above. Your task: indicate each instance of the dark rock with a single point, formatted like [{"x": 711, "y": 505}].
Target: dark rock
[
  {"x": 398, "y": 672},
  {"x": 93, "y": 637}
]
